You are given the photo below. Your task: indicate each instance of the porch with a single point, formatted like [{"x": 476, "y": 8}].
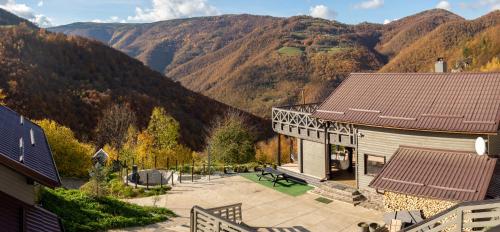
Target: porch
[
  {"x": 325, "y": 150},
  {"x": 342, "y": 177}
]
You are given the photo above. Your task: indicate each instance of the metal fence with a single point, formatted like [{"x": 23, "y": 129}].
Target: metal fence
[{"x": 466, "y": 216}]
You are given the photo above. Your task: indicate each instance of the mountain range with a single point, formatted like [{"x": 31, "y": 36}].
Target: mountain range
[
  {"x": 256, "y": 62},
  {"x": 72, "y": 80}
]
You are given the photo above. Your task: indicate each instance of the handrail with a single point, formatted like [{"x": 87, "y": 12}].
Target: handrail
[
  {"x": 489, "y": 209},
  {"x": 205, "y": 220},
  {"x": 228, "y": 212},
  {"x": 296, "y": 121}
]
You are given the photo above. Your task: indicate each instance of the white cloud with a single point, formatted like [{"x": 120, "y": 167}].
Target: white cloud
[
  {"x": 444, "y": 5},
  {"x": 172, "y": 9},
  {"x": 370, "y": 4},
  {"x": 491, "y": 4},
  {"x": 24, "y": 11},
  {"x": 387, "y": 21},
  {"x": 40, "y": 4},
  {"x": 322, "y": 11},
  {"x": 112, "y": 19}
]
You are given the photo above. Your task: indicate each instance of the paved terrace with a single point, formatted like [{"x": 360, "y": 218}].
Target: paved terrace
[{"x": 262, "y": 207}]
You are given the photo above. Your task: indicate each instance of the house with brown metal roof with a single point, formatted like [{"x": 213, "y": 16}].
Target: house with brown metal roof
[
  {"x": 400, "y": 137},
  {"x": 25, "y": 162}
]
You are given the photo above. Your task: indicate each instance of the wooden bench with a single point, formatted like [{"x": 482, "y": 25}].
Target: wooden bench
[{"x": 273, "y": 175}]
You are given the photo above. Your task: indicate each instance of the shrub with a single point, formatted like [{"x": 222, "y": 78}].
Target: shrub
[
  {"x": 82, "y": 212},
  {"x": 231, "y": 140},
  {"x": 72, "y": 157}
]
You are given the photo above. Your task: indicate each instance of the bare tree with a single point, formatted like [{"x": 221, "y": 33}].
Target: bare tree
[{"x": 113, "y": 125}]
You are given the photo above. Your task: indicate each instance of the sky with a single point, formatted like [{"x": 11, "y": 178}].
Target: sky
[{"x": 48, "y": 13}]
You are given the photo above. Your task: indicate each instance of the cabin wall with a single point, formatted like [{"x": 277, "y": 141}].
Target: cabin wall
[
  {"x": 313, "y": 158},
  {"x": 16, "y": 185},
  {"x": 385, "y": 142},
  {"x": 494, "y": 145}
]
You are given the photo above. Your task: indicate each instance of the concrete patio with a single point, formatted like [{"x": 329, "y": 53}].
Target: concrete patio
[{"x": 262, "y": 207}]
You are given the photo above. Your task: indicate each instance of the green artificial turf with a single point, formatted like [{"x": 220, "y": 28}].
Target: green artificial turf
[{"x": 291, "y": 188}]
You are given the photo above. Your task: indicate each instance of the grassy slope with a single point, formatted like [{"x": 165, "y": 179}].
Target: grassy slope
[{"x": 81, "y": 213}]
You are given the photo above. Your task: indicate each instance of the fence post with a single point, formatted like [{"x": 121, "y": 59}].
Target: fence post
[
  {"x": 126, "y": 176},
  {"x": 192, "y": 172},
  {"x": 460, "y": 220},
  {"x": 147, "y": 181}
]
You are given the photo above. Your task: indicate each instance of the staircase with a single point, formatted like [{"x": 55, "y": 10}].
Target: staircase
[{"x": 340, "y": 192}]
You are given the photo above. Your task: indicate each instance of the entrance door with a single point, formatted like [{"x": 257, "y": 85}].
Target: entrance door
[{"x": 342, "y": 165}]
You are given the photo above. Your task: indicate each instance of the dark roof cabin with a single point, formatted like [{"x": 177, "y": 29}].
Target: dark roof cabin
[{"x": 25, "y": 159}]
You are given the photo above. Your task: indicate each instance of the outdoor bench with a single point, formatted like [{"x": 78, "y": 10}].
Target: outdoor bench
[{"x": 273, "y": 175}]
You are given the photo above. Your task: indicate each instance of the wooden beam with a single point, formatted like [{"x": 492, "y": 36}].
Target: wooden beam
[{"x": 327, "y": 152}]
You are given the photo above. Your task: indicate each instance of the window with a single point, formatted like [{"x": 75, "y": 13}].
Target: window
[{"x": 373, "y": 164}]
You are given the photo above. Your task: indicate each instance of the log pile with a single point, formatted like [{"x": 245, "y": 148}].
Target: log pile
[{"x": 397, "y": 202}]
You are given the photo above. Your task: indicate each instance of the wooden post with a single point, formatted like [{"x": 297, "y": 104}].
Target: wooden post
[
  {"x": 278, "y": 155},
  {"x": 180, "y": 172},
  {"x": 147, "y": 181},
  {"x": 327, "y": 152},
  {"x": 126, "y": 172},
  {"x": 301, "y": 155},
  {"x": 460, "y": 220},
  {"x": 291, "y": 149},
  {"x": 126, "y": 176},
  {"x": 209, "y": 169}
]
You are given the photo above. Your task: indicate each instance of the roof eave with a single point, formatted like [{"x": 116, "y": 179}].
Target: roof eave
[
  {"x": 28, "y": 172},
  {"x": 411, "y": 129}
]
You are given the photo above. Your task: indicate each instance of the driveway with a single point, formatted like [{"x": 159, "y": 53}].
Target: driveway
[{"x": 262, "y": 207}]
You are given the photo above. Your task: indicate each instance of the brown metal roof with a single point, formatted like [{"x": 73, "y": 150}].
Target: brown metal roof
[
  {"x": 37, "y": 162},
  {"x": 448, "y": 102},
  {"x": 441, "y": 174}
]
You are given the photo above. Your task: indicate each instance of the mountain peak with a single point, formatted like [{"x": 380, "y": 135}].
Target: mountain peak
[{"x": 8, "y": 18}]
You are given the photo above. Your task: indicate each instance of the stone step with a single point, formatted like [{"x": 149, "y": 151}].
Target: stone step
[{"x": 339, "y": 192}]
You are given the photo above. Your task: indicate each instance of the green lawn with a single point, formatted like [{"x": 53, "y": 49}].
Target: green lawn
[
  {"x": 290, "y": 51},
  {"x": 81, "y": 212},
  {"x": 292, "y": 188}
]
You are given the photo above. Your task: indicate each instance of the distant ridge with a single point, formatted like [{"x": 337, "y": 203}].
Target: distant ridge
[
  {"x": 72, "y": 80},
  {"x": 256, "y": 62}
]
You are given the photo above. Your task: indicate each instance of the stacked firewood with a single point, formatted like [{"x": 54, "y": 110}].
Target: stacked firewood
[{"x": 397, "y": 202}]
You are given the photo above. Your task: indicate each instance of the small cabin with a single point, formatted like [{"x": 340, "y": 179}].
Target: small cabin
[
  {"x": 25, "y": 161},
  {"x": 100, "y": 157},
  {"x": 401, "y": 137}
]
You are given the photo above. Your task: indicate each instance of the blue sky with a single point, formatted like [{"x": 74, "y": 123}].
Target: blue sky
[{"x": 58, "y": 12}]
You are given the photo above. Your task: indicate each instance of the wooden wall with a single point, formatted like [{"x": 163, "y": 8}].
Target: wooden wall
[
  {"x": 384, "y": 142},
  {"x": 16, "y": 185}
]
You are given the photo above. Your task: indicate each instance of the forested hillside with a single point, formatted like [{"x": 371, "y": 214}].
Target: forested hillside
[
  {"x": 72, "y": 80},
  {"x": 256, "y": 62}
]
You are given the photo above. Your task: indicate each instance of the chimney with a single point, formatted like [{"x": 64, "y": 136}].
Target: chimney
[{"x": 440, "y": 65}]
